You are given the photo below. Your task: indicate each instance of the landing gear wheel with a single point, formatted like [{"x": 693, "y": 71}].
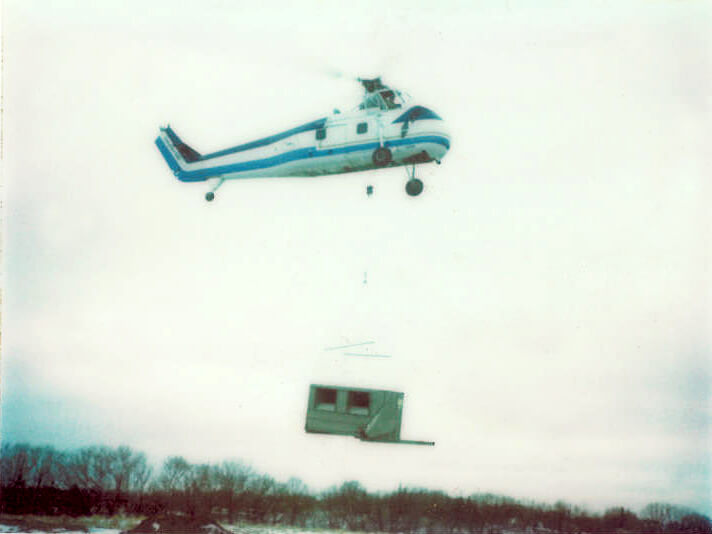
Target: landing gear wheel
[
  {"x": 210, "y": 196},
  {"x": 414, "y": 187},
  {"x": 381, "y": 157}
]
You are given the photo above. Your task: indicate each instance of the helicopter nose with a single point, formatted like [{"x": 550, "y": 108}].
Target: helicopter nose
[
  {"x": 444, "y": 138},
  {"x": 444, "y": 128}
]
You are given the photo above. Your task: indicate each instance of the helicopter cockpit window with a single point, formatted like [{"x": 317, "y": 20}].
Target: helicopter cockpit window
[
  {"x": 389, "y": 98},
  {"x": 321, "y": 133},
  {"x": 372, "y": 101},
  {"x": 325, "y": 399}
]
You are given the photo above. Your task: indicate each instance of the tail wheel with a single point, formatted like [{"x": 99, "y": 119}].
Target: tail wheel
[
  {"x": 382, "y": 157},
  {"x": 414, "y": 187}
]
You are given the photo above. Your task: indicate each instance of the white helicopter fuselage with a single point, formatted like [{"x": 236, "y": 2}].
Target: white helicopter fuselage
[{"x": 385, "y": 131}]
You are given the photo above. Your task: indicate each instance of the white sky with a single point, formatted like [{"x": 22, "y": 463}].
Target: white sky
[{"x": 546, "y": 301}]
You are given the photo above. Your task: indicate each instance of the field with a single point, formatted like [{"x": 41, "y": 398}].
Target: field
[
  {"x": 66, "y": 524},
  {"x": 20, "y": 524},
  {"x": 32, "y": 524}
]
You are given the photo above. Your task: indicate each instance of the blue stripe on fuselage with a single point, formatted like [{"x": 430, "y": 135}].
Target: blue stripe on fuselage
[
  {"x": 168, "y": 156},
  {"x": 200, "y": 175},
  {"x": 314, "y": 125}
]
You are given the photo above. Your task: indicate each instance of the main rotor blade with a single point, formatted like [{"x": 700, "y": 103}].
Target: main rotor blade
[{"x": 349, "y": 346}]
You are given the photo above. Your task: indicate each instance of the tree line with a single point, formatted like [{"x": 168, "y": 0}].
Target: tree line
[{"x": 108, "y": 481}]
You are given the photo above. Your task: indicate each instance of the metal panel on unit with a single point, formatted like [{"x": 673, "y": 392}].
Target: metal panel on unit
[{"x": 368, "y": 414}]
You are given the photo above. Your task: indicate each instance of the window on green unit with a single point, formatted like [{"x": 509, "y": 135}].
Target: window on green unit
[
  {"x": 320, "y": 133},
  {"x": 325, "y": 399},
  {"x": 362, "y": 127},
  {"x": 358, "y": 402}
]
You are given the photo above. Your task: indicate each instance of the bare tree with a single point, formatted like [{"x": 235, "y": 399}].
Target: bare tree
[
  {"x": 664, "y": 512},
  {"x": 260, "y": 489},
  {"x": 296, "y": 501},
  {"x": 348, "y": 505},
  {"x": 232, "y": 478},
  {"x": 202, "y": 487},
  {"x": 90, "y": 468},
  {"x": 696, "y": 524},
  {"x": 121, "y": 467},
  {"x": 129, "y": 472},
  {"x": 174, "y": 474},
  {"x": 174, "y": 480},
  {"x": 16, "y": 465},
  {"x": 140, "y": 474},
  {"x": 43, "y": 460}
]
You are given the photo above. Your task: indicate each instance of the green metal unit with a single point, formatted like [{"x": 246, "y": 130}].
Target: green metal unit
[{"x": 368, "y": 414}]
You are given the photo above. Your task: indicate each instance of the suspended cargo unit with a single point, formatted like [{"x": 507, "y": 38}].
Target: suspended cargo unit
[{"x": 367, "y": 414}]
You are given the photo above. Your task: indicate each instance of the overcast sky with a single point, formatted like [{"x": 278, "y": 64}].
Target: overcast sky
[{"x": 545, "y": 301}]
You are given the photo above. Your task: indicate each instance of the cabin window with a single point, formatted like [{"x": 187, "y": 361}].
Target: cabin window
[
  {"x": 320, "y": 134},
  {"x": 358, "y": 402},
  {"x": 362, "y": 127},
  {"x": 325, "y": 399}
]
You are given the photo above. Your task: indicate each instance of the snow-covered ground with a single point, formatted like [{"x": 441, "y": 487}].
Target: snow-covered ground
[
  {"x": 237, "y": 529},
  {"x": 17, "y": 530},
  {"x": 233, "y": 528}
]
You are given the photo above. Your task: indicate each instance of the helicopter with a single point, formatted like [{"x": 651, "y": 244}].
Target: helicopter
[{"x": 385, "y": 130}]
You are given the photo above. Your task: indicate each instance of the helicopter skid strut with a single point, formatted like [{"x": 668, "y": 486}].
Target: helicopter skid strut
[
  {"x": 413, "y": 186},
  {"x": 210, "y": 195}
]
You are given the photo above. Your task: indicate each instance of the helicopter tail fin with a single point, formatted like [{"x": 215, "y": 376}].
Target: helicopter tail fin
[
  {"x": 189, "y": 154},
  {"x": 182, "y": 159}
]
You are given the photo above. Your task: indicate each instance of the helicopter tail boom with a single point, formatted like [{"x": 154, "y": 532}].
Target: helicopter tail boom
[{"x": 189, "y": 154}]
